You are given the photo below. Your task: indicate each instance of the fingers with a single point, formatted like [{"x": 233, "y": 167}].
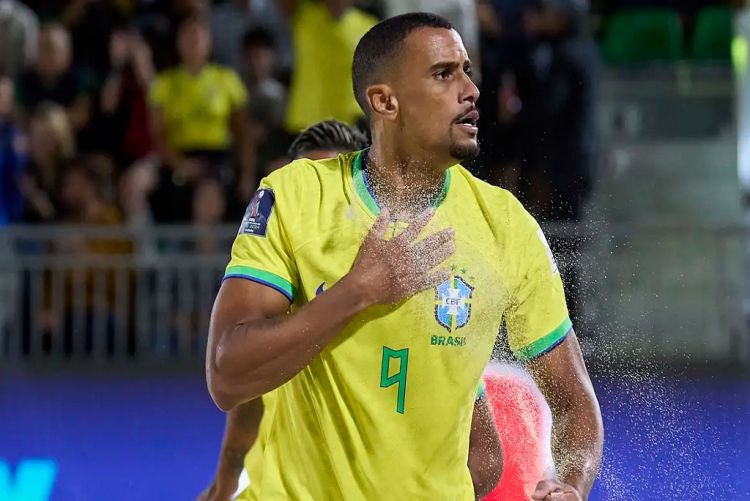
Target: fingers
[
  {"x": 434, "y": 257},
  {"x": 416, "y": 226},
  {"x": 381, "y": 225},
  {"x": 431, "y": 242},
  {"x": 430, "y": 281}
]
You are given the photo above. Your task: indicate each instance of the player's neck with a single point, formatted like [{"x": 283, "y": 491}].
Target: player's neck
[{"x": 406, "y": 184}]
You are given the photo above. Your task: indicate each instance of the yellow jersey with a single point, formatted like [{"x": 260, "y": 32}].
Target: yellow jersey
[
  {"x": 384, "y": 411},
  {"x": 196, "y": 108},
  {"x": 321, "y": 86}
]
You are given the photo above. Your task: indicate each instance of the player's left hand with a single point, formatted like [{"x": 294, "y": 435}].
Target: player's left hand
[{"x": 554, "y": 490}]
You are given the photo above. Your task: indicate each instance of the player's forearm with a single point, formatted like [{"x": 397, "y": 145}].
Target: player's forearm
[
  {"x": 577, "y": 443},
  {"x": 239, "y": 435},
  {"x": 255, "y": 357}
]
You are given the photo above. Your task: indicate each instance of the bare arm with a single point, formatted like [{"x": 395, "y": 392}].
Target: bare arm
[
  {"x": 485, "y": 451},
  {"x": 577, "y": 431},
  {"x": 254, "y": 347},
  {"x": 240, "y": 434}
]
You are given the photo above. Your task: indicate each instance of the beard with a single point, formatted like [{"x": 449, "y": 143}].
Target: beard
[{"x": 464, "y": 151}]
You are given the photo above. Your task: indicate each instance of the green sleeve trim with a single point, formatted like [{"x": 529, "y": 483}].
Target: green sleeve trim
[
  {"x": 545, "y": 344},
  {"x": 263, "y": 277},
  {"x": 481, "y": 390}
]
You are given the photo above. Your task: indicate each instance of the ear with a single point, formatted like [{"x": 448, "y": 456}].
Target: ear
[{"x": 382, "y": 101}]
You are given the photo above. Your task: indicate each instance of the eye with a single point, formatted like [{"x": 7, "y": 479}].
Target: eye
[
  {"x": 468, "y": 72},
  {"x": 444, "y": 74}
]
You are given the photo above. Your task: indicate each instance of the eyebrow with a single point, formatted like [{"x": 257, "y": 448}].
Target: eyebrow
[{"x": 444, "y": 65}]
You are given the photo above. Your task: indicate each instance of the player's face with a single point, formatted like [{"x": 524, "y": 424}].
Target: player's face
[{"x": 436, "y": 96}]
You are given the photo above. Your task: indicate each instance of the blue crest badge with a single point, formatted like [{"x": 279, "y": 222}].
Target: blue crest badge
[
  {"x": 258, "y": 212},
  {"x": 453, "y": 303}
]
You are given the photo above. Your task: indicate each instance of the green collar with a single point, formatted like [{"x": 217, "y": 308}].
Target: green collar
[{"x": 365, "y": 193}]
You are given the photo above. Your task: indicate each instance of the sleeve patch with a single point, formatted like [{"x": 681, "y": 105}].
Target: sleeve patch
[
  {"x": 258, "y": 212},
  {"x": 550, "y": 256}
]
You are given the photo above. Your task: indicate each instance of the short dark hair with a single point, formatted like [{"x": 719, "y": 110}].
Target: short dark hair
[
  {"x": 328, "y": 135},
  {"x": 377, "y": 49},
  {"x": 258, "y": 37}
]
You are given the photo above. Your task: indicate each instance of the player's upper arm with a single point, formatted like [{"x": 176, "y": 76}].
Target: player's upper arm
[
  {"x": 537, "y": 319},
  {"x": 261, "y": 278},
  {"x": 241, "y": 301},
  {"x": 262, "y": 251}
]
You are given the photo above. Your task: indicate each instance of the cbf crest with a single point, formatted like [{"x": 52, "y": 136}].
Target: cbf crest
[{"x": 453, "y": 303}]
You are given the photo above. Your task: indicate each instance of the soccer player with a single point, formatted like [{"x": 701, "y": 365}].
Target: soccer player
[
  {"x": 239, "y": 448},
  {"x": 368, "y": 291}
]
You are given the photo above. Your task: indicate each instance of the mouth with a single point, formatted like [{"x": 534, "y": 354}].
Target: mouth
[{"x": 468, "y": 122}]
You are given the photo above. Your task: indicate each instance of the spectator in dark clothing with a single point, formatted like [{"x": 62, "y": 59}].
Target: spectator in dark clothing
[
  {"x": 266, "y": 98},
  {"x": 124, "y": 121},
  {"x": 12, "y": 158},
  {"x": 54, "y": 78},
  {"x": 19, "y": 28},
  {"x": 558, "y": 104},
  {"x": 51, "y": 145}
]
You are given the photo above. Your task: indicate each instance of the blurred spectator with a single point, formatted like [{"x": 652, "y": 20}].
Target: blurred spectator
[
  {"x": 124, "y": 129},
  {"x": 325, "y": 34},
  {"x": 89, "y": 291},
  {"x": 267, "y": 14},
  {"x": 90, "y": 24},
  {"x": 12, "y": 158},
  {"x": 558, "y": 100},
  {"x": 267, "y": 96},
  {"x": 83, "y": 200},
  {"x": 198, "y": 114},
  {"x": 51, "y": 145},
  {"x": 461, "y": 13},
  {"x": 158, "y": 23},
  {"x": 229, "y": 21},
  {"x": 53, "y": 78},
  {"x": 18, "y": 37}
]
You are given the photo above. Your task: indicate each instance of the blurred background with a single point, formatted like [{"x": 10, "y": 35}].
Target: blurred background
[{"x": 133, "y": 133}]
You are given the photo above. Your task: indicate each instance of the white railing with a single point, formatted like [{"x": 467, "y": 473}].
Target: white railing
[{"x": 73, "y": 295}]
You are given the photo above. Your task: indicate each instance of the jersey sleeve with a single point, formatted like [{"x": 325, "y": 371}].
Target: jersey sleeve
[
  {"x": 261, "y": 251},
  {"x": 481, "y": 390},
  {"x": 537, "y": 319}
]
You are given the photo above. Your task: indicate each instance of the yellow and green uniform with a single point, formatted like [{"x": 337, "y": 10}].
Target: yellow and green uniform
[
  {"x": 384, "y": 412},
  {"x": 321, "y": 86},
  {"x": 196, "y": 108}
]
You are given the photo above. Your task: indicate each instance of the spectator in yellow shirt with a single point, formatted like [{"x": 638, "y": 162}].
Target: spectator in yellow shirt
[
  {"x": 324, "y": 36},
  {"x": 198, "y": 116}
]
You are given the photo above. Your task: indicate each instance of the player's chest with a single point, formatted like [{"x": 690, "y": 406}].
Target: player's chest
[{"x": 452, "y": 315}]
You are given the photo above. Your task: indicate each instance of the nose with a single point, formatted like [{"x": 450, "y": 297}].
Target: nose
[{"x": 470, "y": 92}]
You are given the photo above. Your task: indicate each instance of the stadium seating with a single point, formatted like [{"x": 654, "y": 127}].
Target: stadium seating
[
  {"x": 712, "y": 39},
  {"x": 637, "y": 36}
]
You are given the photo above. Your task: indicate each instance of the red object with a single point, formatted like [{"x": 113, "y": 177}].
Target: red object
[{"x": 524, "y": 424}]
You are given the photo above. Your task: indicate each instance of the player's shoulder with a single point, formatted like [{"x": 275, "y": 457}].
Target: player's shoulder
[
  {"x": 498, "y": 202},
  {"x": 305, "y": 178}
]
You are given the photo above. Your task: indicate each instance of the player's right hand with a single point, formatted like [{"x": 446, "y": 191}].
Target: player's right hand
[
  {"x": 217, "y": 491},
  {"x": 389, "y": 271}
]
